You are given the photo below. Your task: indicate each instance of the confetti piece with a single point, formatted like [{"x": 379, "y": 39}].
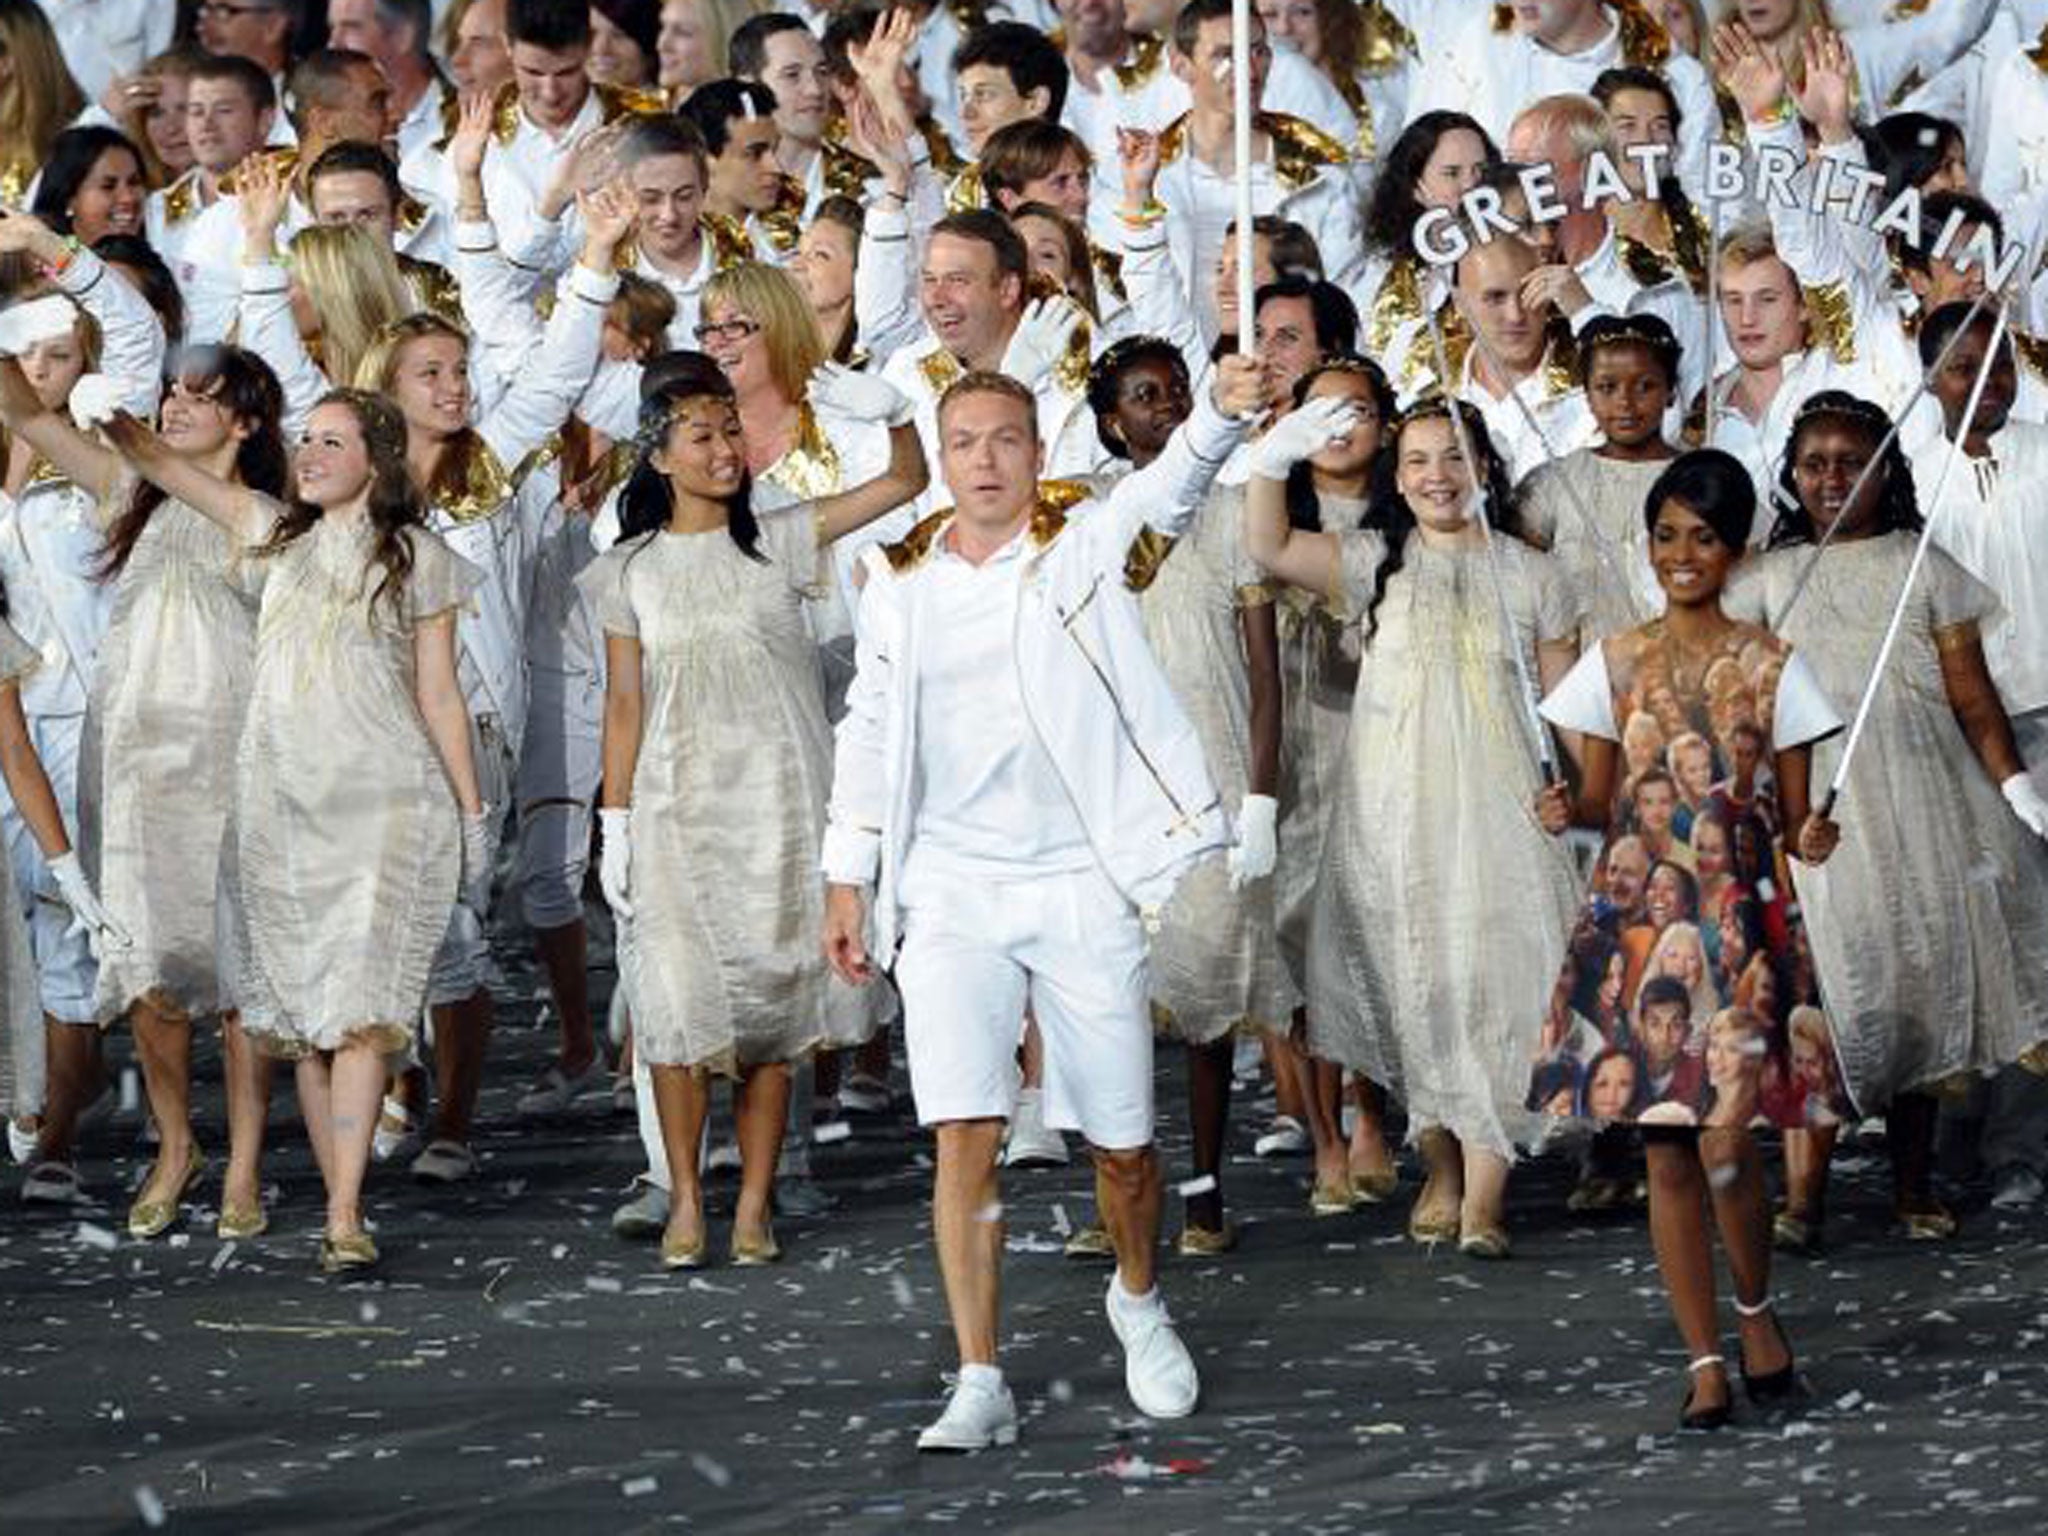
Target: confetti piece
[
  {"x": 711, "y": 1471},
  {"x": 1060, "y": 1224},
  {"x": 831, "y": 1131},
  {"x": 131, "y": 1091},
  {"x": 1384, "y": 1427},
  {"x": 638, "y": 1487},
  {"x": 1060, "y": 1390},
  {"x": 222, "y": 1258},
  {"x": 99, "y": 1237},
  {"x": 367, "y": 1311},
  {"x": 602, "y": 1283},
  {"x": 149, "y": 1506},
  {"x": 1206, "y": 1184},
  {"x": 899, "y": 1286}
]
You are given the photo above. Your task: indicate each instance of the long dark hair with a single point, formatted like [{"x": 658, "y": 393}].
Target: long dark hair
[
  {"x": 1390, "y": 216},
  {"x": 1898, "y": 507},
  {"x": 646, "y": 503},
  {"x": 1304, "y": 507},
  {"x": 72, "y": 156},
  {"x": 394, "y": 504},
  {"x": 1393, "y": 519},
  {"x": 241, "y": 382}
]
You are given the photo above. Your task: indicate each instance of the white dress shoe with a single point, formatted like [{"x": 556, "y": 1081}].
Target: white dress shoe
[
  {"x": 976, "y": 1417},
  {"x": 1159, "y": 1373}
]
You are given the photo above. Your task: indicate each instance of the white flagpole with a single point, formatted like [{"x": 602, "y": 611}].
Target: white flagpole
[
  {"x": 1241, "y": 114},
  {"x": 1898, "y": 618}
]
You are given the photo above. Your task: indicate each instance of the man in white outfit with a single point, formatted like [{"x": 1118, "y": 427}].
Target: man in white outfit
[{"x": 1015, "y": 792}]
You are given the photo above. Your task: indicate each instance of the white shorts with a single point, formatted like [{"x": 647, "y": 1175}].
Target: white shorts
[
  {"x": 462, "y": 964},
  {"x": 66, "y": 974},
  {"x": 975, "y": 952}
]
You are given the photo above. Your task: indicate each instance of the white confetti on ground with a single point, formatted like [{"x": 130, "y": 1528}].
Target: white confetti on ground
[
  {"x": 95, "y": 1236},
  {"x": 1204, "y": 1185},
  {"x": 831, "y": 1131},
  {"x": 131, "y": 1091},
  {"x": 1060, "y": 1224},
  {"x": 149, "y": 1506},
  {"x": 604, "y": 1283},
  {"x": 638, "y": 1487},
  {"x": 899, "y": 1286},
  {"x": 711, "y": 1471}
]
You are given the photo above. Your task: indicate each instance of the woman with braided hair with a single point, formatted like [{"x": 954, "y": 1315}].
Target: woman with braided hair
[
  {"x": 717, "y": 759},
  {"x": 1430, "y": 818},
  {"x": 355, "y": 798},
  {"x": 1929, "y": 927}
]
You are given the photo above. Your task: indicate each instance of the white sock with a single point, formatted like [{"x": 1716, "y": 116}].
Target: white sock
[
  {"x": 989, "y": 1378},
  {"x": 1131, "y": 1300}
]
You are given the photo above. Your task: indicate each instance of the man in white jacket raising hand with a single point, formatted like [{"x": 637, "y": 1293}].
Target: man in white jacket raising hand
[{"x": 1018, "y": 789}]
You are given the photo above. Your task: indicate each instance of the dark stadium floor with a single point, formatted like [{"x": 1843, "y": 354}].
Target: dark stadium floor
[{"x": 515, "y": 1368}]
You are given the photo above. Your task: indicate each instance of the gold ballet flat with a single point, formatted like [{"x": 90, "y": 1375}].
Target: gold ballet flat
[
  {"x": 1372, "y": 1188},
  {"x": 149, "y": 1218},
  {"x": 1331, "y": 1199},
  {"x": 240, "y": 1222},
  {"x": 1434, "y": 1229},
  {"x": 1795, "y": 1232},
  {"x": 348, "y": 1254},
  {"x": 677, "y": 1254},
  {"x": 1930, "y": 1226},
  {"x": 1484, "y": 1243},
  {"x": 750, "y": 1252},
  {"x": 1206, "y": 1242}
]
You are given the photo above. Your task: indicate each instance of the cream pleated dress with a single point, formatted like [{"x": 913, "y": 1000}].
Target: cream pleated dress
[
  {"x": 1608, "y": 563},
  {"x": 157, "y": 766},
  {"x": 1929, "y": 925},
  {"x": 720, "y": 959},
  {"x": 347, "y": 840},
  {"x": 1215, "y": 961},
  {"x": 1442, "y": 909},
  {"x": 1318, "y": 675},
  {"x": 21, "y": 1062}
]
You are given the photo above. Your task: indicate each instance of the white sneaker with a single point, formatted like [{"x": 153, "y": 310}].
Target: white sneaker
[
  {"x": 2017, "y": 1188},
  {"x": 52, "y": 1183},
  {"x": 1159, "y": 1373},
  {"x": 445, "y": 1162},
  {"x": 861, "y": 1094},
  {"x": 1032, "y": 1142},
  {"x": 22, "y": 1141},
  {"x": 1286, "y": 1137},
  {"x": 976, "y": 1418},
  {"x": 556, "y": 1090},
  {"x": 645, "y": 1216}
]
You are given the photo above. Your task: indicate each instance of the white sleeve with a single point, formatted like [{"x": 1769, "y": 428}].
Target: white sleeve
[
  {"x": 1803, "y": 712},
  {"x": 1584, "y": 700},
  {"x": 268, "y": 329},
  {"x": 543, "y": 393},
  {"x": 132, "y": 343},
  {"x": 853, "y": 827},
  {"x": 1158, "y": 299},
  {"x": 885, "y": 311},
  {"x": 495, "y": 301}
]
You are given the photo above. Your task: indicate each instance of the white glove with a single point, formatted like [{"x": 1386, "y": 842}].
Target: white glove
[
  {"x": 1040, "y": 340},
  {"x": 2026, "y": 802},
  {"x": 1300, "y": 434},
  {"x": 476, "y": 862},
  {"x": 43, "y": 319},
  {"x": 862, "y": 396},
  {"x": 615, "y": 861},
  {"x": 1257, "y": 848},
  {"x": 86, "y": 911},
  {"x": 95, "y": 398}
]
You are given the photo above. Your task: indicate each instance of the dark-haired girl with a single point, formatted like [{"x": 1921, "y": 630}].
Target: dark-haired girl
[
  {"x": 1441, "y": 909},
  {"x": 92, "y": 185},
  {"x": 717, "y": 761},
  {"x": 1435, "y": 160},
  {"x": 1929, "y": 931},
  {"x": 353, "y": 772},
  {"x": 157, "y": 761},
  {"x": 1721, "y": 675},
  {"x": 1588, "y": 506},
  {"x": 1215, "y": 958}
]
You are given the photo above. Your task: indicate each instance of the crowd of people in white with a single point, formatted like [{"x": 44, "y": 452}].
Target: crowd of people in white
[{"x": 1570, "y": 662}]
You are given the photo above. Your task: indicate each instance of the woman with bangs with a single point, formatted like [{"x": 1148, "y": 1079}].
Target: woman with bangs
[
  {"x": 355, "y": 793},
  {"x": 717, "y": 756},
  {"x": 1929, "y": 933},
  {"x": 156, "y": 773},
  {"x": 1430, "y": 817},
  {"x": 474, "y": 471}
]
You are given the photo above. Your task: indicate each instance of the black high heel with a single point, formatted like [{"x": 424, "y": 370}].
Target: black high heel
[
  {"x": 1781, "y": 1383},
  {"x": 1716, "y": 1417}
]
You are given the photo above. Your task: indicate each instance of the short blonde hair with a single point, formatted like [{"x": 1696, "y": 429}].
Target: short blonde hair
[
  {"x": 1579, "y": 120},
  {"x": 770, "y": 297}
]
